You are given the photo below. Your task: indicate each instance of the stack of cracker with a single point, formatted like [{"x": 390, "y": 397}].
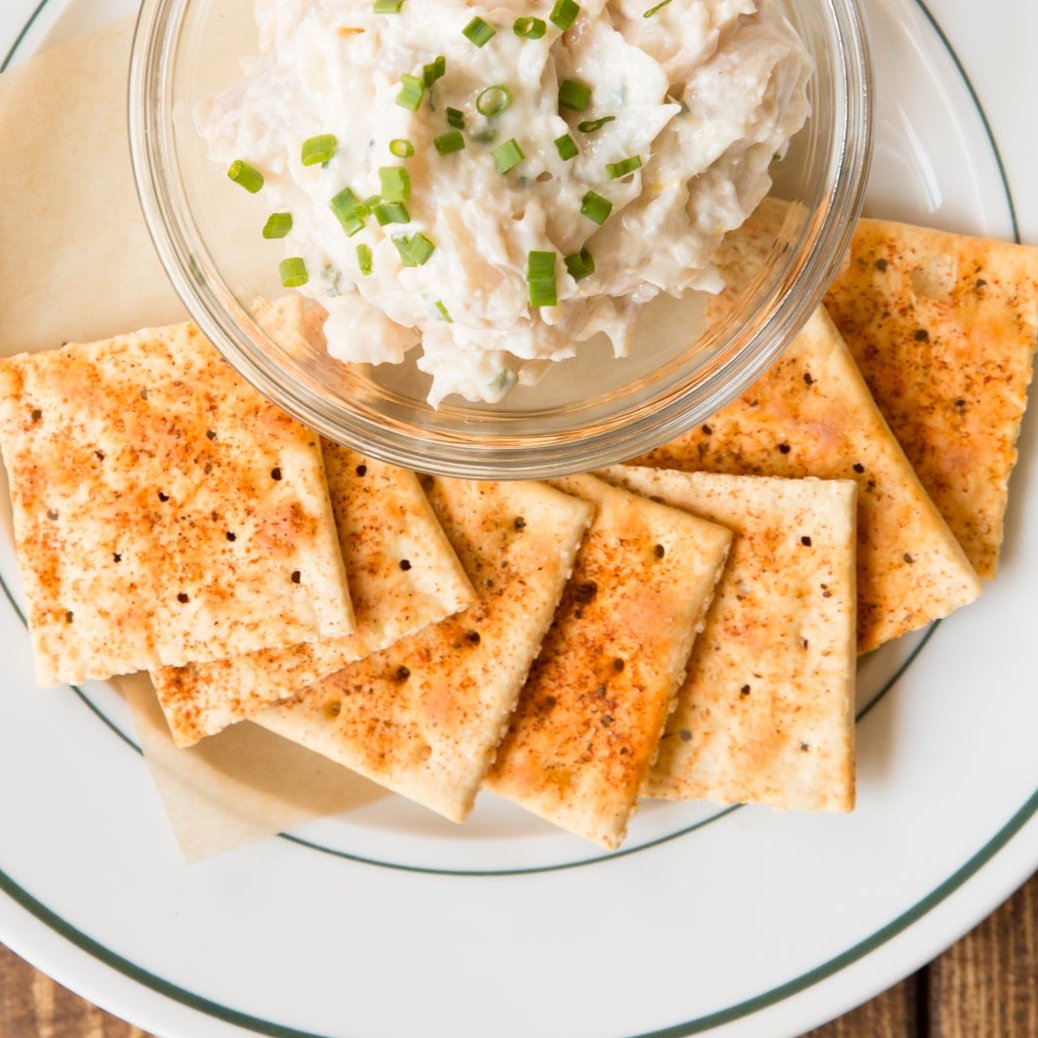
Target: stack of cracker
[{"x": 684, "y": 627}]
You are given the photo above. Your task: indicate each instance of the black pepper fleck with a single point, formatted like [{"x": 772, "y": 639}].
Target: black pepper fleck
[
  {"x": 296, "y": 576},
  {"x": 211, "y": 434},
  {"x": 100, "y": 455},
  {"x": 520, "y": 523},
  {"x": 37, "y": 414},
  {"x": 275, "y": 473},
  {"x": 979, "y": 283},
  {"x": 784, "y": 448},
  {"x": 116, "y": 557},
  {"x": 51, "y": 514},
  {"x": 745, "y": 690},
  {"x": 69, "y": 617},
  {"x": 163, "y": 497},
  {"x": 707, "y": 431},
  {"x": 659, "y": 551},
  {"x": 362, "y": 470},
  {"x": 809, "y": 378},
  {"x": 805, "y": 541},
  {"x": 473, "y": 637},
  {"x": 908, "y": 557},
  {"x": 858, "y": 467},
  {"x": 231, "y": 536},
  {"x": 921, "y": 335},
  {"x": 804, "y": 747},
  {"x": 585, "y": 591},
  {"x": 618, "y": 665},
  {"x": 402, "y": 673},
  {"x": 405, "y": 564},
  {"x": 881, "y": 264},
  {"x": 183, "y": 597}
]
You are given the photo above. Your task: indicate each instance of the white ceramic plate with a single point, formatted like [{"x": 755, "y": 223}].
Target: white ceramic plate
[{"x": 736, "y": 923}]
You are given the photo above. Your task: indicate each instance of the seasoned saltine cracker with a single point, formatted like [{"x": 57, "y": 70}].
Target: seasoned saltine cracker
[
  {"x": 164, "y": 510},
  {"x": 811, "y": 415},
  {"x": 766, "y": 715},
  {"x": 943, "y": 328},
  {"x": 589, "y": 719},
  {"x": 403, "y": 576},
  {"x": 424, "y": 716}
]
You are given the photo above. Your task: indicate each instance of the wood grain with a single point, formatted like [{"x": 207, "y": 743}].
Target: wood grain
[{"x": 986, "y": 986}]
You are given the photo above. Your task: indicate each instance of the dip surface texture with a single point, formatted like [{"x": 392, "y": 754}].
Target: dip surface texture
[{"x": 498, "y": 190}]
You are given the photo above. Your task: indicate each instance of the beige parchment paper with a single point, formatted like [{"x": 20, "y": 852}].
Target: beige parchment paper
[{"x": 76, "y": 265}]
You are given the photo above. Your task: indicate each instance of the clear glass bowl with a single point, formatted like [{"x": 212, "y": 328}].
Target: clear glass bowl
[{"x": 587, "y": 412}]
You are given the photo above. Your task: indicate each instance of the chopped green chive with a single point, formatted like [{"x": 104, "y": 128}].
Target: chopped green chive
[
  {"x": 447, "y": 143},
  {"x": 485, "y": 136},
  {"x": 540, "y": 276},
  {"x": 456, "y": 118},
  {"x": 652, "y": 10},
  {"x": 494, "y": 100},
  {"x": 529, "y": 28},
  {"x": 566, "y": 147},
  {"x": 623, "y": 167},
  {"x": 594, "y": 125},
  {"x": 574, "y": 95},
  {"x": 277, "y": 225},
  {"x": 391, "y": 212},
  {"x": 396, "y": 183},
  {"x": 478, "y": 32},
  {"x": 595, "y": 207},
  {"x": 580, "y": 264},
  {"x": 411, "y": 91},
  {"x": 247, "y": 176},
  {"x": 364, "y": 258},
  {"x": 504, "y": 380},
  {"x": 319, "y": 149},
  {"x": 401, "y": 148},
  {"x": 564, "y": 13},
  {"x": 414, "y": 250},
  {"x": 508, "y": 155},
  {"x": 349, "y": 212},
  {"x": 443, "y": 312},
  {"x": 293, "y": 272},
  {"x": 434, "y": 70},
  {"x": 388, "y": 6}
]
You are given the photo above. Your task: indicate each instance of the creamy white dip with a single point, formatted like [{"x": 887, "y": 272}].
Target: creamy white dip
[{"x": 703, "y": 93}]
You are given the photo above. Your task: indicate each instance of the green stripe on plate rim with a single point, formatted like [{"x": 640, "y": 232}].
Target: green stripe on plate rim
[{"x": 691, "y": 1027}]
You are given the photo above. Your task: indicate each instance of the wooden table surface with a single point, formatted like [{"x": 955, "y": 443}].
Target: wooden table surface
[{"x": 986, "y": 986}]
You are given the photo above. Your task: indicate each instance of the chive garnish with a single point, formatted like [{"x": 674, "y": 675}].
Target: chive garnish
[
  {"x": 566, "y": 147},
  {"x": 456, "y": 118},
  {"x": 411, "y": 91},
  {"x": 443, "y": 312},
  {"x": 247, "y": 176},
  {"x": 447, "y": 143},
  {"x": 364, "y": 258},
  {"x": 623, "y": 167},
  {"x": 580, "y": 264},
  {"x": 540, "y": 275},
  {"x": 479, "y": 32},
  {"x": 277, "y": 225},
  {"x": 396, "y": 183},
  {"x": 574, "y": 95},
  {"x": 504, "y": 380},
  {"x": 595, "y": 207},
  {"x": 652, "y": 10},
  {"x": 391, "y": 212},
  {"x": 349, "y": 212},
  {"x": 414, "y": 250},
  {"x": 388, "y": 6},
  {"x": 434, "y": 70},
  {"x": 401, "y": 148},
  {"x": 494, "y": 100},
  {"x": 293, "y": 272},
  {"x": 319, "y": 149},
  {"x": 564, "y": 13},
  {"x": 508, "y": 155},
  {"x": 530, "y": 28},
  {"x": 594, "y": 125}
]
